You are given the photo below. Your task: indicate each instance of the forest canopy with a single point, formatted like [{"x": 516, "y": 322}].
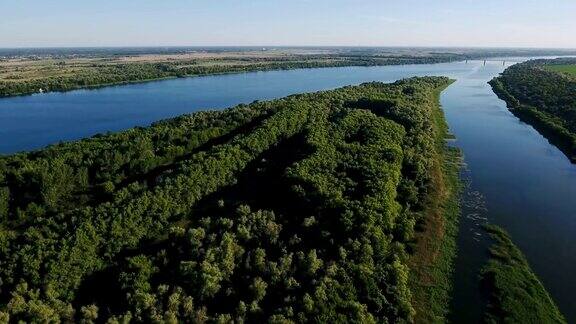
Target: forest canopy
[
  {"x": 298, "y": 209},
  {"x": 541, "y": 92}
]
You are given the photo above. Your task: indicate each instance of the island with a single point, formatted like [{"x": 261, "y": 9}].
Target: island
[{"x": 327, "y": 207}]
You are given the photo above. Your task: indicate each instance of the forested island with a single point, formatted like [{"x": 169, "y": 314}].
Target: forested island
[
  {"x": 542, "y": 93},
  {"x": 315, "y": 207}
]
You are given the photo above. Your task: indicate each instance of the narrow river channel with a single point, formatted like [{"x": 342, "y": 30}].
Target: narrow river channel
[{"x": 515, "y": 178}]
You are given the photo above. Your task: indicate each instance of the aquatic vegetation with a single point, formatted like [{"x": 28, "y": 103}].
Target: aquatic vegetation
[{"x": 515, "y": 294}]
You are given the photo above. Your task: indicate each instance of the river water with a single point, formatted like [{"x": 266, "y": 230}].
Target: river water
[{"x": 516, "y": 178}]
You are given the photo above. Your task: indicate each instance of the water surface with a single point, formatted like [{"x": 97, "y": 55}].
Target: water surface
[
  {"x": 35, "y": 121},
  {"x": 517, "y": 179}
]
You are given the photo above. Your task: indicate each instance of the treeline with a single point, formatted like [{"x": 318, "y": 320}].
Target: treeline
[
  {"x": 88, "y": 171},
  {"x": 299, "y": 209},
  {"x": 543, "y": 98},
  {"x": 102, "y": 74},
  {"x": 514, "y": 292}
]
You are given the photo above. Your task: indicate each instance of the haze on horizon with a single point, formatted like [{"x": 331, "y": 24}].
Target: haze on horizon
[{"x": 456, "y": 23}]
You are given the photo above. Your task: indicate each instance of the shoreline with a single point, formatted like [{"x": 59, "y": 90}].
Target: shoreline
[
  {"x": 239, "y": 70},
  {"x": 557, "y": 135},
  {"x": 432, "y": 263}
]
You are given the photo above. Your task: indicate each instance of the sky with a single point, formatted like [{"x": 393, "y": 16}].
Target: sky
[{"x": 456, "y": 23}]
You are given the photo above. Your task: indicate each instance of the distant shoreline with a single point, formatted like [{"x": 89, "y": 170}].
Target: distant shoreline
[{"x": 114, "y": 74}]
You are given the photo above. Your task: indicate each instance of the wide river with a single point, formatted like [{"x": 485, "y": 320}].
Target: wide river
[{"x": 516, "y": 178}]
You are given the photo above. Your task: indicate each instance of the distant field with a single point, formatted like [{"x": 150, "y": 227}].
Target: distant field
[
  {"x": 27, "y": 71},
  {"x": 63, "y": 70},
  {"x": 567, "y": 68}
]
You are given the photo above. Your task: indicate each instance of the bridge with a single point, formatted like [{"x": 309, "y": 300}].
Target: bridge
[{"x": 490, "y": 60}]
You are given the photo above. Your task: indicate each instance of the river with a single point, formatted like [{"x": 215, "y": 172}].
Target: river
[{"x": 516, "y": 178}]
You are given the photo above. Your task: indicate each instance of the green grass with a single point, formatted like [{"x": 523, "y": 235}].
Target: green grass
[
  {"x": 566, "y": 68},
  {"x": 432, "y": 263},
  {"x": 515, "y": 293}
]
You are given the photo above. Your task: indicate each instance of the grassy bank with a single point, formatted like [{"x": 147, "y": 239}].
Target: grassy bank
[
  {"x": 569, "y": 69},
  {"x": 431, "y": 264},
  {"x": 515, "y": 293}
]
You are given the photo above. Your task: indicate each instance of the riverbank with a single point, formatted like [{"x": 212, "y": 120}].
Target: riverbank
[
  {"x": 545, "y": 124},
  {"x": 431, "y": 264},
  {"x": 542, "y": 97},
  {"x": 29, "y": 71},
  {"x": 19, "y": 78},
  {"x": 514, "y": 292}
]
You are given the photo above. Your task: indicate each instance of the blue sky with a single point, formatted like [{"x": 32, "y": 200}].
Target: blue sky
[{"x": 507, "y": 23}]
